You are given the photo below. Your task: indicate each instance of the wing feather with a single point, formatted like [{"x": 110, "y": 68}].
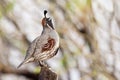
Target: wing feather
[
  {"x": 31, "y": 49},
  {"x": 49, "y": 45},
  {"x": 45, "y": 50}
]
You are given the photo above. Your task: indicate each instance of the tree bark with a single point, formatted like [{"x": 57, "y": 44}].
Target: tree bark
[{"x": 47, "y": 74}]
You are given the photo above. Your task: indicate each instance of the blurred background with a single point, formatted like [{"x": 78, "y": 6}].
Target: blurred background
[{"x": 89, "y": 33}]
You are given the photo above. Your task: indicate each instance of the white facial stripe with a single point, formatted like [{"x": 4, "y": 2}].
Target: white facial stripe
[{"x": 49, "y": 26}]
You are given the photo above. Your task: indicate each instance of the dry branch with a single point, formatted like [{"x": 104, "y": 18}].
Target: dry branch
[{"x": 47, "y": 74}]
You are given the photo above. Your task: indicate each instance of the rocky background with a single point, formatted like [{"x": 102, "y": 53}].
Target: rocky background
[{"x": 89, "y": 33}]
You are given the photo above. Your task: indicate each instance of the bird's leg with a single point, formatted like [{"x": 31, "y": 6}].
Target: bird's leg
[{"x": 43, "y": 64}]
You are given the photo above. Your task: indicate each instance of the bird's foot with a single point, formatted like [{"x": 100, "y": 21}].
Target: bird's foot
[{"x": 43, "y": 64}]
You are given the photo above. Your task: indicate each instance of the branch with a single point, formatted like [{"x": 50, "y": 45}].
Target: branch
[{"x": 47, "y": 74}]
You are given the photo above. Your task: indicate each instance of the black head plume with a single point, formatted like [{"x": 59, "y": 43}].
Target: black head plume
[{"x": 45, "y": 12}]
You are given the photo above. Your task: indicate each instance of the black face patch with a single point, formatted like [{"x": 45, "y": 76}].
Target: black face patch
[{"x": 49, "y": 22}]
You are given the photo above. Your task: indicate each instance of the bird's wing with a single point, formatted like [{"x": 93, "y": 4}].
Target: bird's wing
[
  {"x": 31, "y": 48},
  {"x": 45, "y": 49},
  {"x": 30, "y": 52},
  {"x": 49, "y": 45}
]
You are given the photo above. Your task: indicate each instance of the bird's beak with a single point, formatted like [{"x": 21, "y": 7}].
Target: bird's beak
[{"x": 26, "y": 61}]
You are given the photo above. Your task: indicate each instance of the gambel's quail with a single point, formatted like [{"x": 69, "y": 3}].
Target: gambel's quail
[{"x": 44, "y": 46}]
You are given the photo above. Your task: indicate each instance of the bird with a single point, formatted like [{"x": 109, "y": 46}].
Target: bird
[{"x": 44, "y": 46}]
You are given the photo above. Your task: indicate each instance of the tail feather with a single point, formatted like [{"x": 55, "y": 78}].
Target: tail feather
[
  {"x": 26, "y": 61},
  {"x": 21, "y": 64}
]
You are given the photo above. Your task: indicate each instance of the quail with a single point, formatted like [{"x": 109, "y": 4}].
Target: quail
[{"x": 44, "y": 46}]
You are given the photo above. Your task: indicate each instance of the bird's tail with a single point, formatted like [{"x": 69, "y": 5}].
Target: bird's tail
[
  {"x": 26, "y": 61},
  {"x": 21, "y": 64}
]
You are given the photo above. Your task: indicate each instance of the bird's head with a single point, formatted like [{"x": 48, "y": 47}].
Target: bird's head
[{"x": 47, "y": 22}]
